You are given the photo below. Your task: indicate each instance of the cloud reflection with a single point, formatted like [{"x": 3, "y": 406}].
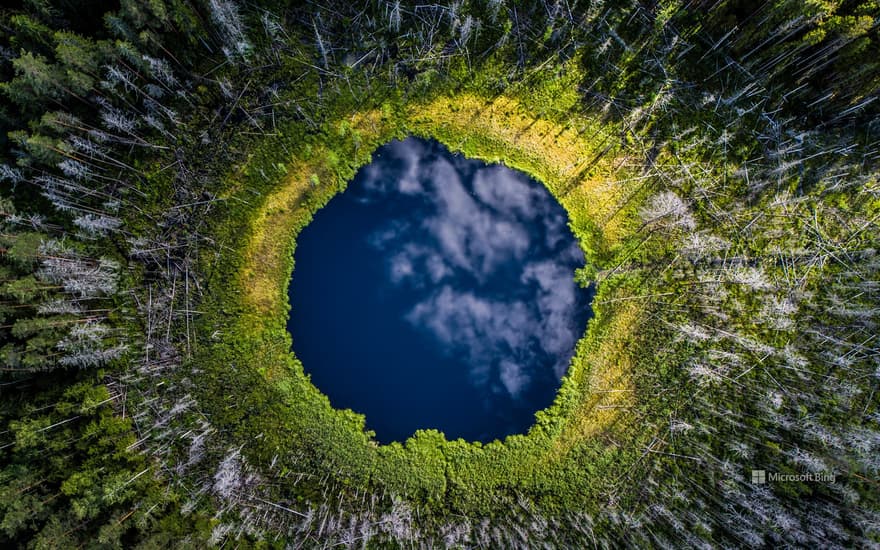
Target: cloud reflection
[{"x": 483, "y": 297}]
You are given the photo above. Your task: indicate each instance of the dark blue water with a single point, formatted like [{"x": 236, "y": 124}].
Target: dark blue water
[{"x": 437, "y": 292}]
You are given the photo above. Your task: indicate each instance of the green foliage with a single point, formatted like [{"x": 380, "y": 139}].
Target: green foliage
[
  {"x": 110, "y": 492},
  {"x": 37, "y": 81},
  {"x": 733, "y": 315}
]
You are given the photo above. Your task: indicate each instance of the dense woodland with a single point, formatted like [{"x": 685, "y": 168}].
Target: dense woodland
[{"x": 143, "y": 406}]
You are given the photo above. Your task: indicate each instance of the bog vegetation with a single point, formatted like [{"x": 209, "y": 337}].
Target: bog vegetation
[{"x": 718, "y": 161}]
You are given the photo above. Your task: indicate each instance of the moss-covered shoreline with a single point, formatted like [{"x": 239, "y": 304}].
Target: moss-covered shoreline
[{"x": 453, "y": 475}]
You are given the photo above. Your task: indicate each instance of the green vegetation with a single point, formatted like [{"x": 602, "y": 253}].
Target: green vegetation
[{"x": 719, "y": 166}]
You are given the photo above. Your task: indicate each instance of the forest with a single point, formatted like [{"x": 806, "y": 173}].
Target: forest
[{"x": 719, "y": 165}]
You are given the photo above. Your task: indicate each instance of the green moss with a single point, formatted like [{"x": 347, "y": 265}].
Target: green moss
[{"x": 269, "y": 206}]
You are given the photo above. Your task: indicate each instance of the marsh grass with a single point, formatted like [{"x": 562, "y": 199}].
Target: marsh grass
[{"x": 580, "y": 170}]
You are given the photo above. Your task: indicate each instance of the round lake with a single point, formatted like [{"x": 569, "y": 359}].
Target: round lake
[{"x": 438, "y": 292}]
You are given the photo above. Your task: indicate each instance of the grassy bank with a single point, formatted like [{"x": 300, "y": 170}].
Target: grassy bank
[{"x": 583, "y": 173}]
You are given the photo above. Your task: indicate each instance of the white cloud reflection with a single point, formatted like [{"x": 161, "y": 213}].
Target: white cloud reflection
[{"x": 483, "y": 225}]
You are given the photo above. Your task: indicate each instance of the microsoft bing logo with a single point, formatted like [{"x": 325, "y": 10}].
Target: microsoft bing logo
[{"x": 761, "y": 477}]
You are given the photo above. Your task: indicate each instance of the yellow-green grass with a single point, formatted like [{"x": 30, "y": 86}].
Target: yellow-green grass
[{"x": 581, "y": 170}]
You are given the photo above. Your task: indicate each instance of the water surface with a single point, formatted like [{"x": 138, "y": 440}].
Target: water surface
[{"x": 437, "y": 292}]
